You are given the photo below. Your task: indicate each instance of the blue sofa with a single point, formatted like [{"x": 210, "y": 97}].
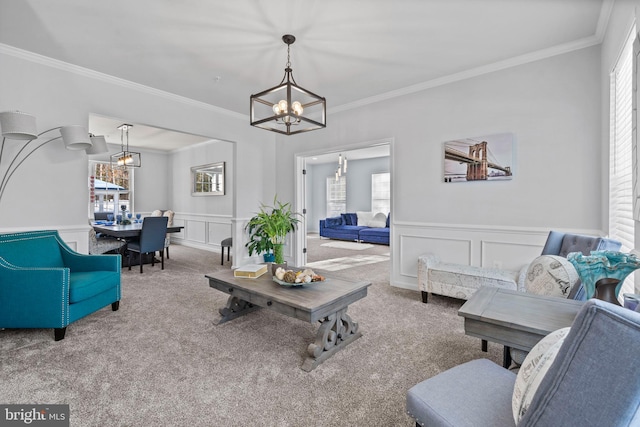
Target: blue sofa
[
  {"x": 45, "y": 284},
  {"x": 345, "y": 227}
]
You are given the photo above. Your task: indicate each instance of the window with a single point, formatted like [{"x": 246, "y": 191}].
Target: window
[
  {"x": 381, "y": 193},
  {"x": 110, "y": 188},
  {"x": 621, "y": 224},
  {"x": 336, "y": 196}
]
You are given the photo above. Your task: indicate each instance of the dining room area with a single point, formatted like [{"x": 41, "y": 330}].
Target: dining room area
[{"x": 138, "y": 240}]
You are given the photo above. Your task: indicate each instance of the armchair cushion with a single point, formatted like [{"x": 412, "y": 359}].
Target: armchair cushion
[
  {"x": 86, "y": 284},
  {"x": 481, "y": 397}
]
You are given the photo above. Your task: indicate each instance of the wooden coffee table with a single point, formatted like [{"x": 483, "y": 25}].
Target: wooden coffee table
[
  {"x": 515, "y": 319},
  {"x": 324, "y": 302}
]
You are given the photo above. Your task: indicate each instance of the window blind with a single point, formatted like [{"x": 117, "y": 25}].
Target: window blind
[{"x": 621, "y": 223}]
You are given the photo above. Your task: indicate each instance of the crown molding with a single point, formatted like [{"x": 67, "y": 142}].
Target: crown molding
[
  {"x": 475, "y": 72},
  {"x": 96, "y": 75}
]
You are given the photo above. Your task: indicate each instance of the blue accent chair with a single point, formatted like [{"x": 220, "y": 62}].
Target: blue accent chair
[
  {"x": 152, "y": 239},
  {"x": 46, "y": 284},
  {"x": 591, "y": 382}
]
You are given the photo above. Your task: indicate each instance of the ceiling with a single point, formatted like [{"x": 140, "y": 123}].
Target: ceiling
[{"x": 351, "y": 52}]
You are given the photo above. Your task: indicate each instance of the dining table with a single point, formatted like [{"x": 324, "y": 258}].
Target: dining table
[{"x": 129, "y": 230}]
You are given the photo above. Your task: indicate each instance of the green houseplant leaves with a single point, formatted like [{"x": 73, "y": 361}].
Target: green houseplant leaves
[{"x": 269, "y": 228}]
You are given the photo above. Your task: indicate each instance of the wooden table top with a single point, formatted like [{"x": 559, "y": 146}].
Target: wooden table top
[
  {"x": 131, "y": 230},
  {"x": 315, "y": 299},
  {"x": 520, "y": 310}
]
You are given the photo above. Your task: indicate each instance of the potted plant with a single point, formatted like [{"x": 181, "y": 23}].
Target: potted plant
[
  {"x": 259, "y": 242},
  {"x": 269, "y": 228}
]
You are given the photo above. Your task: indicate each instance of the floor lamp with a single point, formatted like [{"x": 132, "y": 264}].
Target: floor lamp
[{"x": 16, "y": 125}]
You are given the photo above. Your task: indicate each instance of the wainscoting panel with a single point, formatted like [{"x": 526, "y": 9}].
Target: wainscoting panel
[
  {"x": 502, "y": 255},
  {"x": 451, "y": 250},
  {"x": 202, "y": 231},
  {"x": 196, "y": 231}
]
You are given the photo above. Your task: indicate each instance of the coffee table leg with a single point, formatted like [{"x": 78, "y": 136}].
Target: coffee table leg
[
  {"x": 335, "y": 333},
  {"x": 235, "y": 308}
]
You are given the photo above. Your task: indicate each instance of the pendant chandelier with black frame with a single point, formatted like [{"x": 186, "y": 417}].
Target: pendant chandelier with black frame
[
  {"x": 288, "y": 108},
  {"x": 125, "y": 158}
]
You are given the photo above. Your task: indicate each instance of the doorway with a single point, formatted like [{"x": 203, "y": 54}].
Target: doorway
[{"x": 317, "y": 170}]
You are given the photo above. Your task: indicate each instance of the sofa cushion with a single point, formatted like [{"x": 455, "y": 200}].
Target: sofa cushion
[
  {"x": 335, "y": 221},
  {"x": 533, "y": 369},
  {"x": 350, "y": 218},
  {"x": 364, "y": 218},
  {"x": 86, "y": 284},
  {"x": 550, "y": 275}
]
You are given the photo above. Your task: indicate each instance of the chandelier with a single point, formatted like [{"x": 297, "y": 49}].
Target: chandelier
[
  {"x": 342, "y": 167},
  {"x": 125, "y": 158},
  {"x": 287, "y": 108}
]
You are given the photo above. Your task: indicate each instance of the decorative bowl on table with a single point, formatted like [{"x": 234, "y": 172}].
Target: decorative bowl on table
[{"x": 293, "y": 278}]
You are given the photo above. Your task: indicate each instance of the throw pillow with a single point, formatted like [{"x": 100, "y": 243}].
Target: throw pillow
[
  {"x": 333, "y": 221},
  {"x": 550, "y": 275},
  {"x": 378, "y": 221},
  {"x": 364, "y": 218},
  {"x": 533, "y": 369}
]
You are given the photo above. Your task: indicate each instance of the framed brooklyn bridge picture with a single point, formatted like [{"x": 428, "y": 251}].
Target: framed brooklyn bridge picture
[{"x": 483, "y": 158}]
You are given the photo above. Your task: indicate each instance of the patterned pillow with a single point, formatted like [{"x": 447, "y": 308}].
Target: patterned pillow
[
  {"x": 550, "y": 275},
  {"x": 533, "y": 369}
]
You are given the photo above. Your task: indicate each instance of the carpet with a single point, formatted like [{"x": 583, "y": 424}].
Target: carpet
[
  {"x": 161, "y": 361},
  {"x": 354, "y": 246}
]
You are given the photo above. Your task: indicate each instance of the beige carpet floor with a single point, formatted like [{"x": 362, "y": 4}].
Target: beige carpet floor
[{"x": 161, "y": 361}]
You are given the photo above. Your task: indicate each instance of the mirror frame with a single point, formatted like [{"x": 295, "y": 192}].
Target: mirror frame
[{"x": 205, "y": 168}]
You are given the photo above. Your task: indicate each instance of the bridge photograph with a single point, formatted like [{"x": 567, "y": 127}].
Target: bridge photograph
[{"x": 485, "y": 158}]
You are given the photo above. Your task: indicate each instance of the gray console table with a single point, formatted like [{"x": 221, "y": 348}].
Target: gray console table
[{"x": 515, "y": 319}]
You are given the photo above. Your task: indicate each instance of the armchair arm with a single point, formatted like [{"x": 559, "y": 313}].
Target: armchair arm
[
  {"x": 33, "y": 297},
  {"x": 81, "y": 262}
]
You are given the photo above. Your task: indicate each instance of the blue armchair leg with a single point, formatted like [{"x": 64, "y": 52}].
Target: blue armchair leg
[
  {"x": 58, "y": 333},
  {"x": 115, "y": 306}
]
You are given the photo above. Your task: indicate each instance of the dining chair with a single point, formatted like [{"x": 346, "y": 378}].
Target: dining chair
[
  {"x": 169, "y": 214},
  {"x": 152, "y": 235}
]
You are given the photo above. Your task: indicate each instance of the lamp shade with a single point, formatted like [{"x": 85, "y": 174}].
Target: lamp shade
[
  {"x": 18, "y": 125},
  {"x": 98, "y": 145},
  {"x": 75, "y": 137}
]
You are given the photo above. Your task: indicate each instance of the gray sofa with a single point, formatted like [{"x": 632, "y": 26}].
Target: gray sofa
[{"x": 591, "y": 381}]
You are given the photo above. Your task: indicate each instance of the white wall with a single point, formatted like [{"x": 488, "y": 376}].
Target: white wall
[
  {"x": 553, "y": 108},
  {"x": 50, "y": 189}
]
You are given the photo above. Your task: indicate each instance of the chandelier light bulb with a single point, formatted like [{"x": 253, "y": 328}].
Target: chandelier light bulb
[
  {"x": 283, "y": 106},
  {"x": 340, "y": 160},
  {"x": 297, "y": 107},
  {"x": 276, "y": 108},
  {"x": 344, "y": 168}
]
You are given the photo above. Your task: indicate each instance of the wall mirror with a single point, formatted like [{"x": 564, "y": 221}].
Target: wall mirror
[{"x": 207, "y": 180}]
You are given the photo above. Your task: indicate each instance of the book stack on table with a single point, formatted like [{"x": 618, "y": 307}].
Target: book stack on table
[{"x": 250, "y": 271}]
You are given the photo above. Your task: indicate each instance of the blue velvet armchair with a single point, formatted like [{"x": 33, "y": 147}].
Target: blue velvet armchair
[{"x": 45, "y": 284}]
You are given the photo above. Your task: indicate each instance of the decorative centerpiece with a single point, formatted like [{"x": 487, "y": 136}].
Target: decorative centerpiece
[
  {"x": 125, "y": 220},
  {"x": 603, "y": 265},
  {"x": 269, "y": 228}
]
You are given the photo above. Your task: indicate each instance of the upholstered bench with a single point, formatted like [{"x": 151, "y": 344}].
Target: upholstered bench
[{"x": 459, "y": 281}]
